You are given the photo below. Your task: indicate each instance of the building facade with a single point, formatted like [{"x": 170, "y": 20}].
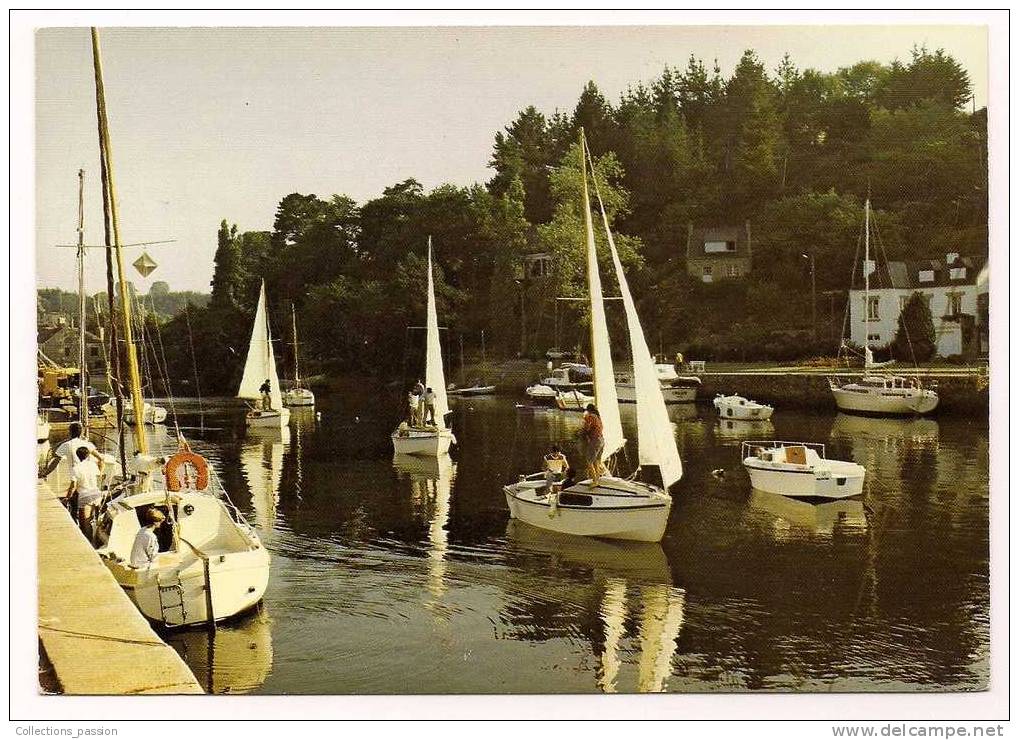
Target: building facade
[
  {"x": 718, "y": 253},
  {"x": 955, "y": 289},
  {"x": 59, "y": 342}
]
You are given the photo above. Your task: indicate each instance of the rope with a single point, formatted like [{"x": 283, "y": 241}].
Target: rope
[
  {"x": 165, "y": 372},
  {"x": 194, "y": 366}
]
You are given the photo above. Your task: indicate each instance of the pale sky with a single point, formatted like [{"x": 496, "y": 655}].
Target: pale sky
[{"x": 213, "y": 123}]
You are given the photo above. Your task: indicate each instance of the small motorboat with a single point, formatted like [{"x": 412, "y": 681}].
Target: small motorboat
[
  {"x": 677, "y": 390},
  {"x": 572, "y": 400},
  {"x": 800, "y": 470},
  {"x": 472, "y": 390},
  {"x": 540, "y": 393},
  {"x": 738, "y": 407}
]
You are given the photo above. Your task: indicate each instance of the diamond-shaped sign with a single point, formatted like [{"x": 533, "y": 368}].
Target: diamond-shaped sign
[{"x": 145, "y": 264}]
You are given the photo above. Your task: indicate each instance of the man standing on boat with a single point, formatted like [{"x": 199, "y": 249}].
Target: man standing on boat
[
  {"x": 419, "y": 393},
  {"x": 592, "y": 442},
  {"x": 429, "y": 404},
  {"x": 266, "y": 390}
]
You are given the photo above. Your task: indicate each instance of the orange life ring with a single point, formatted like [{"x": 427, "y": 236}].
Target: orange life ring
[{"x": 182, "y": 458}]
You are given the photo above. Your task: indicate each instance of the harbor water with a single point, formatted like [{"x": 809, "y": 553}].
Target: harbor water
[{"x": 407, "y": 575}]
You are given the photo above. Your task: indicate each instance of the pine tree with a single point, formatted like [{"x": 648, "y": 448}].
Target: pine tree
[{"x": 914, "y": 338}]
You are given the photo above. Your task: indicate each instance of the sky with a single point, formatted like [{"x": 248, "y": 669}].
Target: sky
[{"x": 214, "y": 123}]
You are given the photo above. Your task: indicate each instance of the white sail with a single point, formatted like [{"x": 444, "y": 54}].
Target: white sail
[
  {"x": 656, "y": 440},
  {"x": 601, "y": 355},
  {"x": 261, "y": 363},
  {"x": 434, "y": 377}
]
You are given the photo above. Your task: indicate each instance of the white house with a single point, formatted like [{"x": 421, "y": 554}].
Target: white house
[{"x": 955, "y": 289}]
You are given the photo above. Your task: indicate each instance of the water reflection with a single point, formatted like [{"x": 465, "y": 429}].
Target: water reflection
[
  {"x": 235, "y": 658},
  {"x": 262, "y": 461},
  {"x": 843, "y": 516},
  {"x": 730, "y": 430}
]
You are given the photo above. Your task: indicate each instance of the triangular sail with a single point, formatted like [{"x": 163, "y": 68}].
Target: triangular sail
[
  {"x": 656, "y": 440},
  {"x": 261, "y": 363},
  {"x": 434, "y": 376},
  {"x": 601, "y": 355}
]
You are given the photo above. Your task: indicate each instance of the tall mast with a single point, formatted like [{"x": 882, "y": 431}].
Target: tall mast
[
  {"x": 589, "y": 230},
  {"x": 125, "y": 304},
  {"x": 82, "y": 384},
  {"x": 297, "y": 373},
  {"x": 866, "y": 284}
]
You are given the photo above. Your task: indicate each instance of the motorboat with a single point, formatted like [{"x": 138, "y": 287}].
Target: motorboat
[
  {"x": 260, "y": 368},
  {"x": 676, "y": 390},
  {"x": 472, "y": 390},
  {"x": 435, "y": 439},
  {"x": 151, "y": 413},
  {"x": 800, "y": 469},
  {"x": 615, "y": 507},
  {"x": 540, "y": 393},
  {"x": 739, "y": 407},
  {"x": 572, "y": 400}
]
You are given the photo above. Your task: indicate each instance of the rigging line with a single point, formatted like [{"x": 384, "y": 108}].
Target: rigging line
[
  {"x": 905, "y": 328},
  {"x": 165, "y": 371},
  {"x": 849, "y": 302},
  {"x": 194, "y": 366}
]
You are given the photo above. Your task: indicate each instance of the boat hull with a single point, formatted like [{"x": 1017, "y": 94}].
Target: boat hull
[
  {"x": 619, "y": 509},
  {"x": 625, "y": 393},
  {"x": 420, "y": 442},
  {"x": 834, "y": 484},
  {"x": 737, "y": 407},
  {"x": 268, "y": 419},
  {"x": 478, "y": 390},
  {"x": 894, "y": 402},
  {"x": 299, "y": 397}
]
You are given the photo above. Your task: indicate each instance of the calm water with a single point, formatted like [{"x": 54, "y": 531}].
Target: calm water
[{"x": 406, "y": 576}]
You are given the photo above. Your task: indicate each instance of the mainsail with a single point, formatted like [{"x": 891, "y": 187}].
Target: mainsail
[
  {"x": 601, "y": 355},
  {"x": 656, "y": 440},
  {"x": 261, "y": 363},
  {"x": 434, "y": 377}
]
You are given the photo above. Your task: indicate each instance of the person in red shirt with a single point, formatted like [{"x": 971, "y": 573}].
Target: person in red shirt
[{"x": 592, "y": 442}]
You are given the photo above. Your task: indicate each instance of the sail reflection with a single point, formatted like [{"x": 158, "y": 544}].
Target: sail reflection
[
  {"x": 235, "y": 658},
  {"x": 634, "y": 586},
  {"x": 431, "y": 487},
  {"x": 262, "y": 463}
]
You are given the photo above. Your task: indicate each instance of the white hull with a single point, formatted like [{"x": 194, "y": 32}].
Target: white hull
[
  {"x": 541, "y": 394},
  {"x": 173, "y": 590},
  {"x": 475, "y": 390},
  {"x": 737, "y": 407},
  {"x": 572, "y": 401},
  {"x": 299, "y": 397},
  {"x": 268, "y": 419},
  {"x": 424, "y": 442},
  {"x": 792, "y": 469},
  {"x": 670, "y": 394},
  {"x": 617, "y": 509},
  {"x": 151, "y": 414},
  {"x": 892, "y": 401}
]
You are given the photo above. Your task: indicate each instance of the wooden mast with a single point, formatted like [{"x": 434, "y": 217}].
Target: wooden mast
[
  {"x": 82, "y": 380},
  {"x": 125, "y": 303}
]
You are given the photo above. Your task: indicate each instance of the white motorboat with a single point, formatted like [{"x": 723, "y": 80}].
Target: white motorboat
[
  {"x": 800, "y": 469},
  {"x": 738, "y": 407},
  {"x": 673, "y": 391},
  {"x": 430, "y": 439},
  {"x": 151, "y": 413},
  {"x": 615, "y": 508},
  {"x": 572, "y": 400},
  {"x": 880, "y": 393},
  {"x": 297, "y": 395},
  {"x": 472, "y": 390},
  {"x": 259, "y": 368},
  {"x": 540, "y": 393}
]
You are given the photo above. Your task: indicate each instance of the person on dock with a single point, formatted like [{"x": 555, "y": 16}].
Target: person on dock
[
  {"x": 429, "y": 407},
  {"x": 146, "y": 544},
  {"x": 85, "y": 484},
  {"x": 592, "y": 442},
  {"x": 65, "y": 454},
  {"x": 266, "y": 390}
]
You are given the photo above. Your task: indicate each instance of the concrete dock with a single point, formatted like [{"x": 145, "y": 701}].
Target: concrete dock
[{"x": 94, "y": 637}]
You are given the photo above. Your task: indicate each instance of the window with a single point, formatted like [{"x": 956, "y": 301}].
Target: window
[
  {"x": 873, "y": 337},
  {"x": 926, "y": 276},
  {"x": 706, "y": 274},
  {"x": 957, "y": 273},
  {"x": 872, "y": 308},
  {"x": 954, "y": 304},
  {"x": 713, "y": 247},
  {"x": 732, "y": 271}
]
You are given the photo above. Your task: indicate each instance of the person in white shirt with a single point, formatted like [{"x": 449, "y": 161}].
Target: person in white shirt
[
  {"x": 66, "y": 452},
  {"x": 146, "y": 545},
  {"x": 429, "y": 415},
  {"x": 85, "y": 483}
]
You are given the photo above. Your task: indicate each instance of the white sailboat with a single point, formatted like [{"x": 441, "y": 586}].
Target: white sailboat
[
  {"x": 617, "y": 508},
  {"x": 297, "y": 395},
  {"x": 260, "y": 368},
  {"x": 431, "y": 440},
  {"x": 211, "y": 564},
  {"x": 880, "y": 393}
]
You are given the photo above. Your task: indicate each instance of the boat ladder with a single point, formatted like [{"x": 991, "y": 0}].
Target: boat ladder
[{"x": 171, "y": 597}]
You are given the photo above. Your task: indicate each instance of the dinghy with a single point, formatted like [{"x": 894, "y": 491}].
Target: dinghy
[{"x": 260, "y": 367}]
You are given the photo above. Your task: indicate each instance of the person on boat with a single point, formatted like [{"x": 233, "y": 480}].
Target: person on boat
[
  {"x": 146, "y": 544},
  {"x": 412, "y": 408},
  {"x": 66, "y": 452},
  {"x": 266, "y": 390},
  {"x": 85, "y": 483},
  {"x": 429, "y": 407},
  {"x": 419, "y": 391},
  {"x": 555, "y": 463},
  {"x": 592, "y": 442},
  {"x": 569, "y": 479},
  {"x": 678, "y": 364}
]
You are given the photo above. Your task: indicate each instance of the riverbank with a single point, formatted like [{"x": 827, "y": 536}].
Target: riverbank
[{"x": 93, "y": 637}]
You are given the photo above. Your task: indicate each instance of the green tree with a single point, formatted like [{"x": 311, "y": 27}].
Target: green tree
[
  {"x": 523, "y": 153},
  {"x": 914, "y": 338},
  {"x": 228, "y": 274}
]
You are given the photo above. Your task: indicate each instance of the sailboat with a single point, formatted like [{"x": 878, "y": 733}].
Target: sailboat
[
  {"x": 478, "y": 387},
  {"x": 297, "y": 395},
  {"x": 211, "y": 564},
  {"x": 429, "y": 439},
  {"x": 617, "y": 508},
  {"x": 879, "y": 393},
  {"x": 260, "y": 368}
]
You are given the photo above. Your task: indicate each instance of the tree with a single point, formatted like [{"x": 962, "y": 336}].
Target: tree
[
  {"x": 159, "y": 288},
  {"x": 523, "y": 153},
  {"x": 914, "y": 338},
  {"x": 228, "y": 275}
]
